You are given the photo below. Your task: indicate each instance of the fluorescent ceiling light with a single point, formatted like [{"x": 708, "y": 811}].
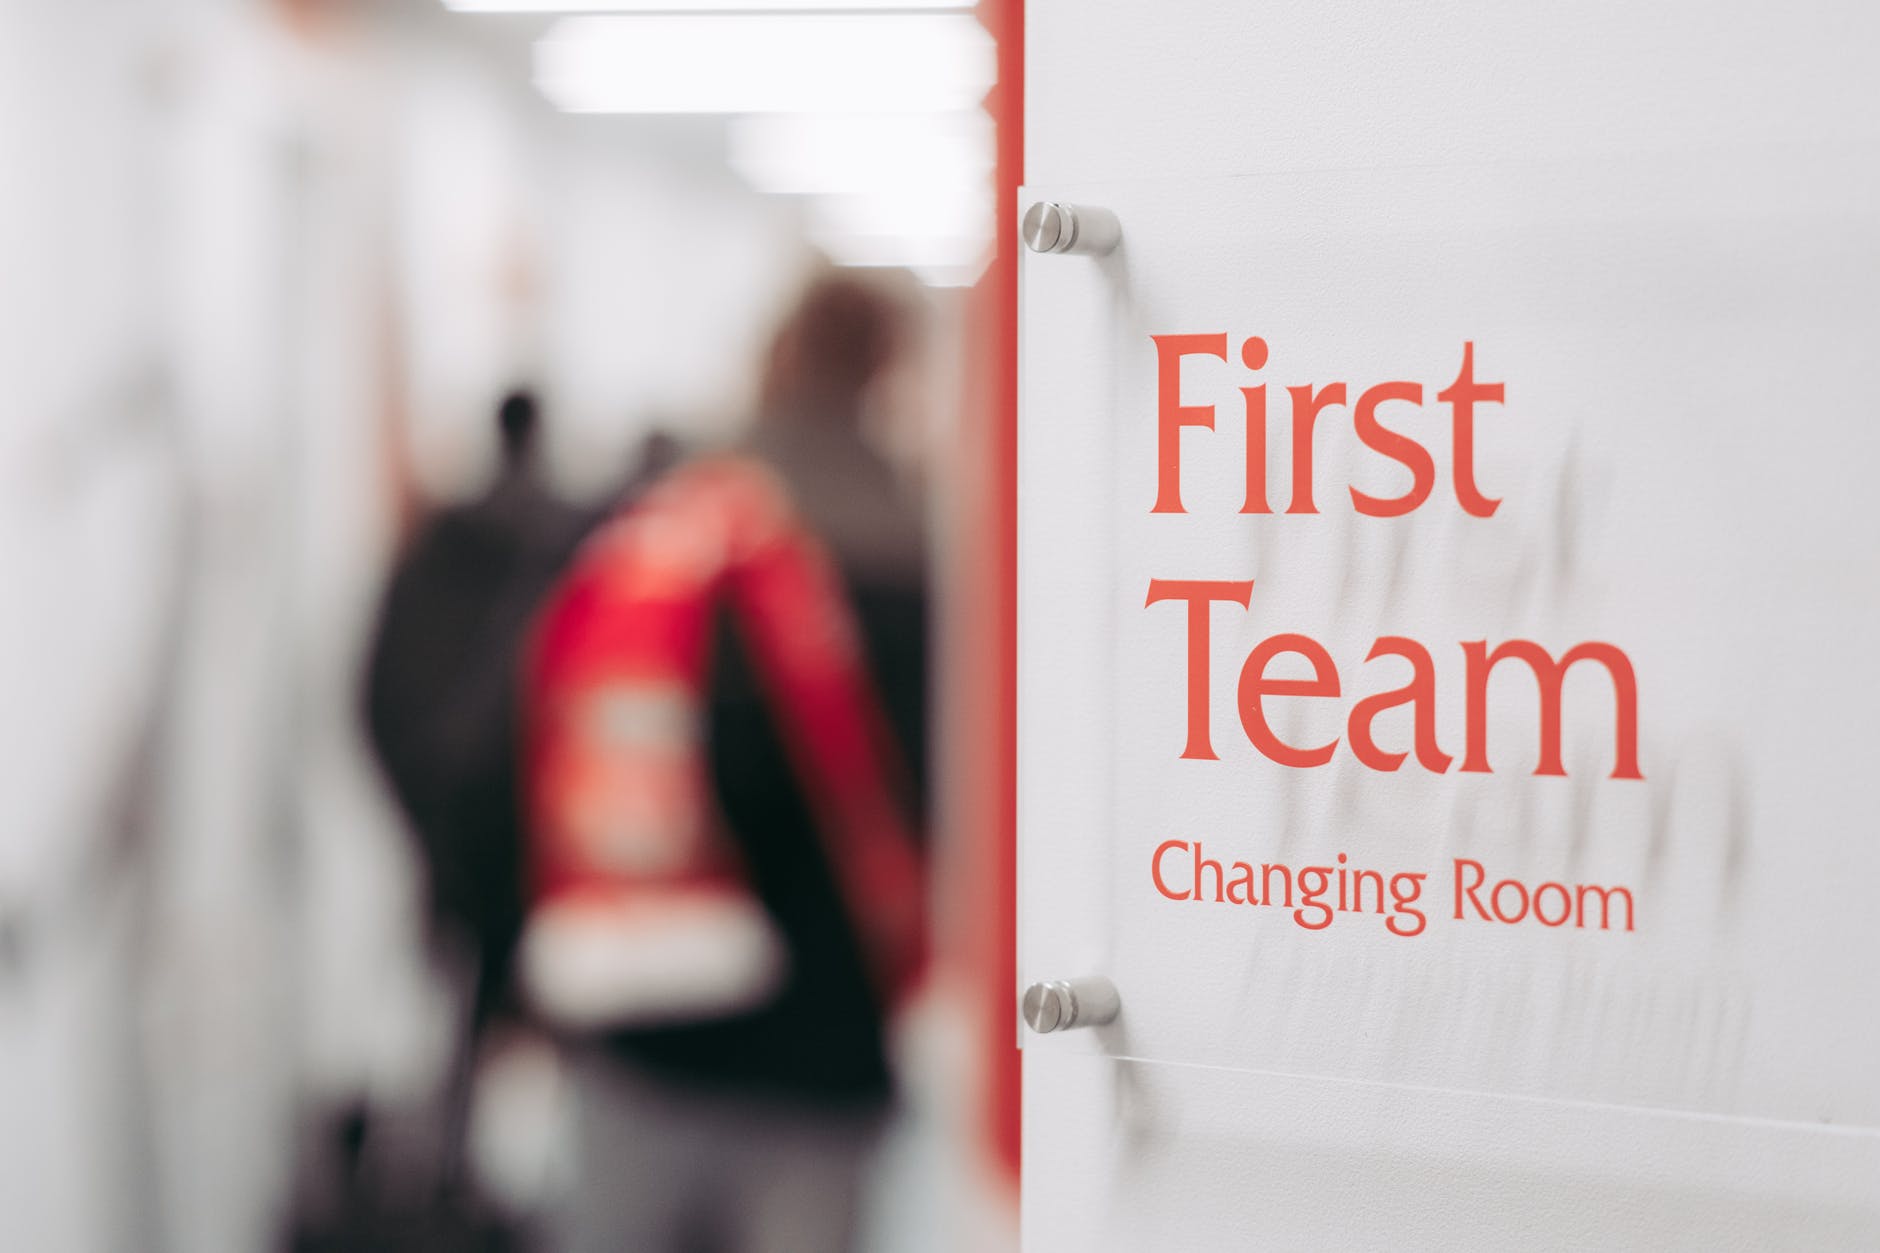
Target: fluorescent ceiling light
[
  {"x": 937, "y": 263},
  {"x": 803, "y": 63},
  {"x": 698, "y": 6},
  {"x": 907, "y": 190},
  {"x": 856, "y": 153},
  {"x": 866, "y": 231}
]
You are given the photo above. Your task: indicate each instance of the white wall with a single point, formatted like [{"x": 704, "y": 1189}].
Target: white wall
[
  {"x": 1191, "y": 88},
  {"x": 243, "y": 261},
  {"x": 86, "y": 530},
  {"x": 1131, "y": 1155}
]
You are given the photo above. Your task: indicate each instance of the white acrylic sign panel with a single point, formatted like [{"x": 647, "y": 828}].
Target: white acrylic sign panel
[{"x": 1614, "y": 417}]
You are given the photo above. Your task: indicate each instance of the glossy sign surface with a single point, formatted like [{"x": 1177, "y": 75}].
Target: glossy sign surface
[{"x": 1449, "y": 599}]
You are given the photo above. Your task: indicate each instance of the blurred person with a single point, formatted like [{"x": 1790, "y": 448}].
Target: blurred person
[
  {"x": 725, "y": 760},
  {"x": 442, "y": 715},
  {"x": 441, "y": 690}
]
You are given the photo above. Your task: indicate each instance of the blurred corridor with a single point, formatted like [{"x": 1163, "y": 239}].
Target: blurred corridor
[{"x": 271, "y": 268}]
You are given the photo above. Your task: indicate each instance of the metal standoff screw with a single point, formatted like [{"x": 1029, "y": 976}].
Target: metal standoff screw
[
  {"x": 1061, "y": 1004},
  {"x": 1081, "y": 228}
]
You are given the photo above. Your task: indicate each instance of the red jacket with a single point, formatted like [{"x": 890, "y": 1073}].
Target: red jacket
[{"x": 622, "y": 816}]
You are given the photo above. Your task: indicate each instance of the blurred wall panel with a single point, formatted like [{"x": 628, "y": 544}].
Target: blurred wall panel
[
  {"x": 262, "y": 261},
  {"x": 86, "y": 527}
]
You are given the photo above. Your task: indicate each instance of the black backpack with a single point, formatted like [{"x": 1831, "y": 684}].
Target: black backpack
[{"x": 443, "y": 706}]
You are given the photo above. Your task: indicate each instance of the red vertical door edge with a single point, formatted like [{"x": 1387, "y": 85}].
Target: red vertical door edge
[{"x": 981, "y": 909}]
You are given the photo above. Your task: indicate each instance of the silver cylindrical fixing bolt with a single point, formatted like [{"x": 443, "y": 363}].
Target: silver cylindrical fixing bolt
[
  {"x": 1053, "y": 227},
  {"x": 1061, "y": 1004}
]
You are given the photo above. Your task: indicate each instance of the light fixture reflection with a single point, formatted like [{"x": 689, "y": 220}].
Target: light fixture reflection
[
  {"x": 806, "y": 63},
  {"x": 904, "y": 189}
]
